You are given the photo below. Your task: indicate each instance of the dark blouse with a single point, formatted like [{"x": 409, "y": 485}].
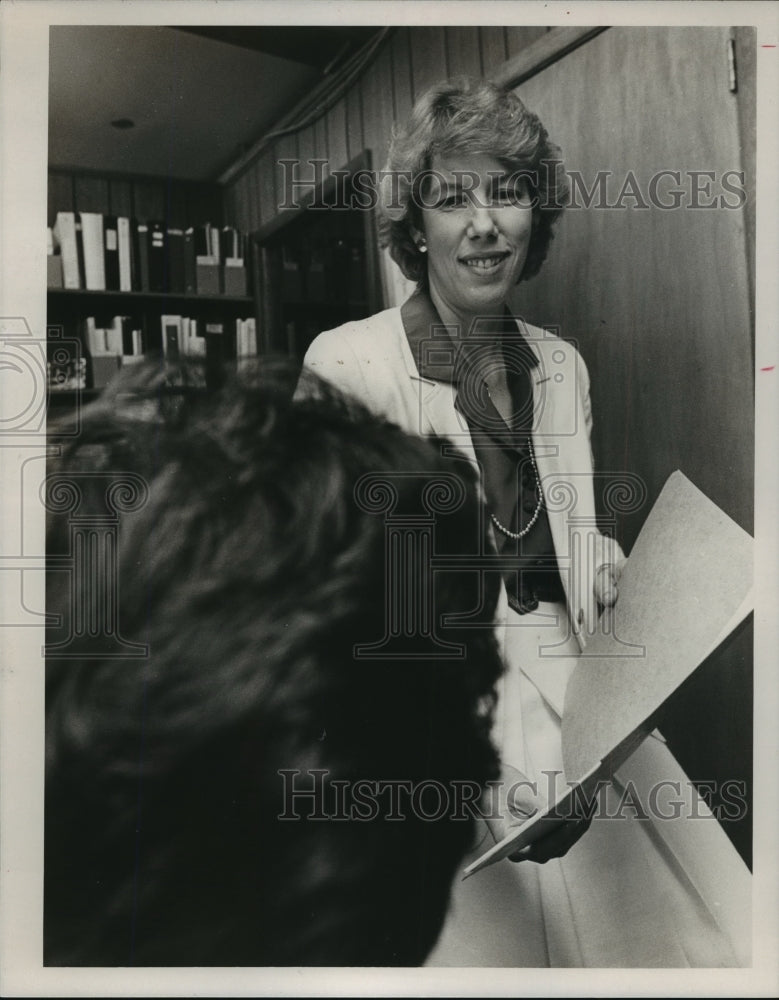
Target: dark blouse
[{"x": 503, "y": 450}]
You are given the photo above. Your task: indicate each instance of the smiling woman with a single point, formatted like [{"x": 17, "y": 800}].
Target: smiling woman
[
  {"x": 469, "y": 196},
  {"x": 477, "y": 233}
]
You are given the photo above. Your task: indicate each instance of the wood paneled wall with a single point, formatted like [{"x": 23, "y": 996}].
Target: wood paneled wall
[
  {"x": 658, "y": 302},
  {"x": 178, "y": 203},
  {"x": 408, "y": 62}
]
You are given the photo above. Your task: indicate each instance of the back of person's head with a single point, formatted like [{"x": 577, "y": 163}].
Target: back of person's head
[{"x": 250, "y": 571}]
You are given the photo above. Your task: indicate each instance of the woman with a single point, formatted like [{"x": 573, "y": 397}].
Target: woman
[{"x": 469, "y": 196}]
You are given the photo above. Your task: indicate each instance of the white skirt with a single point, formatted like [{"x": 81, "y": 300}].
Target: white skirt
[{"x": 631, "y": 893}]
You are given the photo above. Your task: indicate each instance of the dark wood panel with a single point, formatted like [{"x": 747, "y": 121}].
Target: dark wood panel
[
  {"x": 254, "y": 197},
  {"x": 231, "y": 206},
  {"x": 463, "y": 52},
  {"x": 242, "y": 203},
  {"x": 265, "y": 185},
  {"x": 378, "y": 110},
  {"x": 308, "y": 150},
  {"x": 542, "y": 52},
  {"x": 337, "y": 149},
  {"x": 519, "y": 38},
  {"x": 428, "y": 58},
  {"x": 286, "y": 149},
  {"x": 90, "y": 193},
  {"x": 402, "y": 88},
  {"x": 658, "y": 298},
  {"x": 354, "y": 131},
  {"x": 494, "y": 47},
  {"x": 321, "y": 144}
]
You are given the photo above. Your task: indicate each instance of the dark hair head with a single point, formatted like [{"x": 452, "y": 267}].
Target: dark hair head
[
  {"x": 468, "y": 116},
  {"x": 251, "y": 566}
]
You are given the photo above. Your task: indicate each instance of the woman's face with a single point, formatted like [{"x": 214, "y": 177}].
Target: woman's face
[{"x": 477, "y": 223}]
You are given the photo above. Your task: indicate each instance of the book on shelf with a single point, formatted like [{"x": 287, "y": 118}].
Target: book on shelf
[
  {"x": 111, "y": 253},
  {"x": 53, "y": 263},
  {"x": 233, "y": 260},
  {"x": 182, "y": 337},
  {"x": 116, "y": 253},
  {"x": 171, "y": 336},
  {"x": 65, "y": 238},
  {"x": 245, "y": 339},
  {"x": 140, "y": 232},
  {"x": 94, "y": 253},
  {"x": 176, "y": 281},
  {"x": 157, "y": 262},
  {"x": 207, "y": 248},
  {"x": 232, "y": 246},
  {"x": 124, "y": 238},
  {"x": 190, "y": 262}
]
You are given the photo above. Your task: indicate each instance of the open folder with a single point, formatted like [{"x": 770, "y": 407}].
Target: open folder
[{"x": 686, "y": 586}]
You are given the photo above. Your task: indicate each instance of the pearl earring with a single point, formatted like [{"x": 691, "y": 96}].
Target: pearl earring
[{"x": 422, "y": 246}]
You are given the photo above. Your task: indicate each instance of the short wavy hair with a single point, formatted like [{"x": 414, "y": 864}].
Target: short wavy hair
[
  {"x": 468, "y": 116},
  {"x": 250, "y": 572}
]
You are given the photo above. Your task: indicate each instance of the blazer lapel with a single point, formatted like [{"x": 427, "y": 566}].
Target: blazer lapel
[{"x": 435, "y": 405}]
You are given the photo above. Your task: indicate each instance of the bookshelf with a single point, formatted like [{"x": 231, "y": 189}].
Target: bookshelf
[
  {"x": 76, "y": 316},
  {"x": 317, "y": 267}
]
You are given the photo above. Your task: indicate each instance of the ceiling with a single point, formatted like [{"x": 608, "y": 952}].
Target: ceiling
[{"x": 198, "y": 96}]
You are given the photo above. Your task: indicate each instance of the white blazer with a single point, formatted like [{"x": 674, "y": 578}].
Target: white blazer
[{"x": 371, "y": 360}]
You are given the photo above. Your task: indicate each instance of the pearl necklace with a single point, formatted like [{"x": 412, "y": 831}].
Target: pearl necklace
[{"x": 516, "y": 535}]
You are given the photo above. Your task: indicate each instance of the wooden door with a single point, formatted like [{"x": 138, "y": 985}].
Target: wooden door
[{"x": 658, "y": 300}]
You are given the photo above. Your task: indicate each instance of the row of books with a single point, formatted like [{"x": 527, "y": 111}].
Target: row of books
[
  {"x": 183, "y": 336},
  {"x": 333, "y": 270},
  {"x": 99, "y": 252},
  {"x": 94, "y": 350}
]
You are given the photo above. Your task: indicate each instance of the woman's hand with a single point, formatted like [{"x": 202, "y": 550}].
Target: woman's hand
[
  {"x": 513, "y": 802},
  {"x": 606, "y": 591}
]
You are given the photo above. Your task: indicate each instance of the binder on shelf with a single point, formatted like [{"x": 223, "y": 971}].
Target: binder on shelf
[
  {"x": 54, "y": 271},
  {"x": 125, "y": 254},
  {"x": 234, "y": 280},
  {"x": 175, "y": 260},
  {"x": 206, "y": 244},
  {"x": 232, "y": 245},
  {"x": 141, "y": 256},
  {"x": 94, "y": 253},
  {"x": 234, "y": 273},
  {"x": 208, "y": 282},
  {"x": 113, "y": 337},
  {"x": 246, "y": 339},
  {"x": 111, "y": 253},
  {"x": 65, "y": 238},
  {"x": 190, "y": 265},
  {"x": 171, "y": 336},
  {"x": 157, "y": 262}
]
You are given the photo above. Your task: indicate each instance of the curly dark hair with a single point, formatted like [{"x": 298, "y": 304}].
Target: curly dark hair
[
  {"x": 250, "y": 572},
  {"x": 468, "y": 116}
]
